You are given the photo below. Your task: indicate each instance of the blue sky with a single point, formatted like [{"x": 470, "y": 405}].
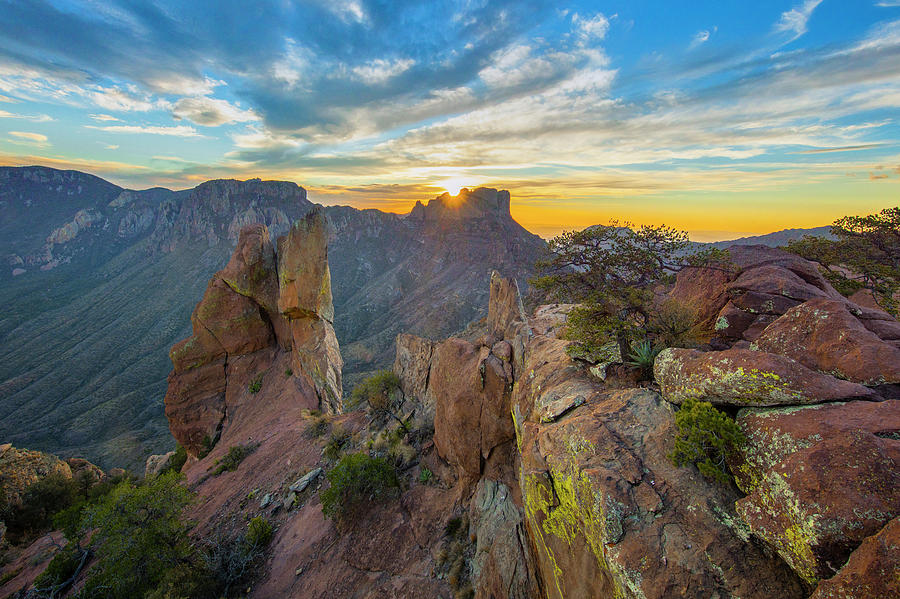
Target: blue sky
[{"x": 722, "y": 118}]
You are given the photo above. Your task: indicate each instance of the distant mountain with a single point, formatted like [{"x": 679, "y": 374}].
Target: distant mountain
[
  {"x": 776, "y": 239},
  {"x": 100, "y": 282}
]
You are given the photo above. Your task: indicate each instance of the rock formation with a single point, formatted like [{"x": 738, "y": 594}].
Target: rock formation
[
  {"x": 253, "y": 308},
  {"x": 22, "y": 467}
]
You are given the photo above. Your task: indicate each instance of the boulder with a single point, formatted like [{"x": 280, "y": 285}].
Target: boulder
[
  {"x": 817, "y": 505},
  {"x": 22, "y": 467},
  {"x": 85, "y": 471},
  {"x": 155, "y": 463},
  {"x": 742, "y": 377},
  {"x": 871, "y": 571},
  {"x": 608, "y": 514},
  {"x": 823, "y": 335},
  {"x": 704, "y": 290},
  {"x": 774, "y": 434},
  {"x": 773, "y": 282}
]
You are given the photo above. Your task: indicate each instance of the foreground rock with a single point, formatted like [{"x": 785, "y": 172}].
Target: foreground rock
[
  {"x": 820, "y": 479},
  {"x": 871, "y": 570},
  {"x": 608, "y": 513},
  {"x": 740, "y": 377},
  {"x": 823, "y": 335}
]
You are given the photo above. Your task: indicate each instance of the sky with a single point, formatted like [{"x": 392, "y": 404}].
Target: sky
[{"x": 721, "y": 118}]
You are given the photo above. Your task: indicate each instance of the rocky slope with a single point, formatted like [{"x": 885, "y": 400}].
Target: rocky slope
[
  {"x": 546, "y": 479},
  {"x": 100, "y": 282}
]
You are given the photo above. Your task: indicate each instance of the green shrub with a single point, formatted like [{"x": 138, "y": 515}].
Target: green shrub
[
  {"x": 60, "y": 571},
  {"x": 177, "y": 461},
  {"x": 40, "y": 501},
  {"x": 338, "y": 439},
  {"x": 259, "y": 532},
  {"x": 139, "y": 537},
  {"x": 256, "y": 384},
  {"x": 231, "y": 460},
  {"x": 375, "y": 391},
  {"x": 706, "y": 437},
  {"x": 288, "y": 372},
  {"x": 357, "y": 480},
  {"x": 206, "y": 446}
]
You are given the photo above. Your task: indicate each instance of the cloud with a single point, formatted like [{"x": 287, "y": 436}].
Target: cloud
[
  {"x": 878, "y": 176},
  {"x": 380, "y": 70},
  {"x": 795, "y": 20},
  {"x": 591, "y": 28},
  {"x": 110, "y": 147},
  {"x": 35, "y": 118},
  {"x": 36, "y": 137},
  {"x": 7, "y": 99},
  {"x": 701, "y": 37},
  {"x": 105, "y": 118},
  {"x": 842, "y": 149},
  {"x": 888, "y": 3},
  {"x": 211, "y": 112},
  {"x": 178, "y": 131}
]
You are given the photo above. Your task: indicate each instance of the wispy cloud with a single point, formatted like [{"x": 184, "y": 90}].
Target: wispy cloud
[
  {"x": 211, "y": 112},
  {"x": 35, "y": 118},
  {"x": 105, "y": 118},
  {"x": 841, "y": 149},
  {"x": 701, "y": 37},
  {"x": 888, "y": 3},
  {"x": 795, "y": 20},
  {"x": 178, "y": 131},
  {"x": 29, "y": 136}
]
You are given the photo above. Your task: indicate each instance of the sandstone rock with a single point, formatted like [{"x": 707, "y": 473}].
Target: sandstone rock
[
  {"x": 773, "y": 281},
  {"x": 502, "y": 565},
  {"x": 412, "y": 364},
  {"x": 731, "y": 322},
  {"x": 773, "y": 434},
  {"x": 823, "y": 335},
  {"x": 252, "y": 272},
  {"x": 704, "y": 290},
  {"x": 155, "y": 463},
  {"x": 819, "y": 478},
  {"x": 22, "y": 467},
  {"x": 505, "y": 310},
  {"x": 608, "y": 514},
  {"x": 471, "y": 388},
  {"x": 195, "y": 406},
  {"x": 304, "y": 277},
  {"x": 871, "y": 571},
  {"x": 817, "y": 505},
  {"x": 233, "y": 320},
  {"x": 305, "y": 300},
  {"x": 741, "y": 377}
]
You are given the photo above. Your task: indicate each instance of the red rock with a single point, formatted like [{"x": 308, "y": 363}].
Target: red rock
[
  {"x": 252, "y": 272},
  {"x": 608, "y": 514},
  {"x": 305, "y": 280},
  {"x": 317, "y": 357},
  {"x": 740, "y": 377},
  {"x": 22, "y": 467},
  {"x": 731, "y": 322},
  {"x": 774, "y": 434},
  {"x": 823, "y": 335},
  {"x": 871, "y": 571},
  {"x": 233, "y": 320},
  {"x": 195, "y": 406},
  {"x": 505, "y": 309},
  {"x": 774, "y": 280},
  {"x": 817, "y": 505},
  {"x": 471, "y": 388},
  {"x": 702, "y": 289}
]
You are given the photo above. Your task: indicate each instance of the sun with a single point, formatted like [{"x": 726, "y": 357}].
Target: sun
[{"x": 453, "y": 185}]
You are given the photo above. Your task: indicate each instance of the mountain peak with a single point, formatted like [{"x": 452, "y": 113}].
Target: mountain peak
[{"x": 466, "y": 205}]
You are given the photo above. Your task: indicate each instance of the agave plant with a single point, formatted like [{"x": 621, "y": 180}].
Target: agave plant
[{"x": 643, "y": 354}]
